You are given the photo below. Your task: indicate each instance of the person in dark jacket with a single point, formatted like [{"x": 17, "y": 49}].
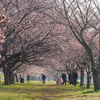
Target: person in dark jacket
[
  {"x": 64, "y": 78},
  {"x": 21, "y": 80},
  {"x": 75, "y": 77},
  {"x": 28, "y": 78},
  {"x": 43, "y": 78}
]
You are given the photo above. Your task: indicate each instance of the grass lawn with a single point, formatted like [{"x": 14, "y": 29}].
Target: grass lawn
[{"x": 37, "y": 91}]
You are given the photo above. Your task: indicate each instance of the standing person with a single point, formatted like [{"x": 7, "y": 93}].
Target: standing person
[
  {"x": 64, "y": 78},
  {"x": 58, "y": 81},
  {"x": 75, "y": 77},
  {"x": 43, "y": 78},
  {"x": 28, "y": 78}
]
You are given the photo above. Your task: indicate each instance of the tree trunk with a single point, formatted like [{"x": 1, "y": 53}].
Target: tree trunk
[
  {"x": 88, "y": 80},
  {"x": 6, "y": 77},
  {"x": 12, "y": 78},
  {"x": 82, "y": 78},
  {"x": 96, "y": 80},
  {"x": 16, "y": 77}
]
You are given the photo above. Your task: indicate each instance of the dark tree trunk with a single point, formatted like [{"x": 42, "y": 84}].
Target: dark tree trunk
[
  {"x": 12, "y": 78},
  {"x": 6, "y": 77},
  {"x": 88, "y": 80},
  {"x": 96, "y": 79},
  {"x": 16, "y": 77},
  {"x": 82, "y": 78}
]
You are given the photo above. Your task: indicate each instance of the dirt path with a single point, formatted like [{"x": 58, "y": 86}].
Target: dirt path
[{"x": 48, "y": 95}]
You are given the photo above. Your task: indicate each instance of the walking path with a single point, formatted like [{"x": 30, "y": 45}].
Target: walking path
[
  {"x": 68, "y": 92},
  {"x": 48, "y": 93}
]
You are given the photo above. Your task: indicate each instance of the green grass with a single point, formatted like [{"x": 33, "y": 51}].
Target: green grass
[
  {"x": 50, "y": 91},
  {"x": 1, "y": 77}
]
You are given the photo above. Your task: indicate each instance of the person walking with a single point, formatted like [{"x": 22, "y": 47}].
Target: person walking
[
  {"x": 64, "y": 78},
  {"x": 43, "y": 78},
  {"x": 75, "y": 77},
  {"x": 28, "y": 78},
  {"x": 58, "y": 81}
]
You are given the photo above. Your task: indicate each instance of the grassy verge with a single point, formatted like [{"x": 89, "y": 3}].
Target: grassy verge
[
  {"x": 37, "y": 91},
  {"x": 1, "y": 77}
]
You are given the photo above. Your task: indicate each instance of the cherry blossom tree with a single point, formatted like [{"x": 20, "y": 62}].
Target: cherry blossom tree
[
  {"x": 27, "y": 37},
  {"x": 81, "y": 18}
]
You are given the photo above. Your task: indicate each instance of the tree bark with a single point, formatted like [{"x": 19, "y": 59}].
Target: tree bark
[
  {"x": 82, "y": 78},
  {"x": 12, "y": 78},
  {"x": 88, "y": 80},
  {"x": 6, "y": 77},
  {"x": 16, "y": 77},
  {"x": 96, "y": 79}
]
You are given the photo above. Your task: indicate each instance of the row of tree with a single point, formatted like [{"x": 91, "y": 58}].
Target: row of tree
[
  {"x": 67, "y": 30},
  {"x": 27, "y": 38},
  {"x": 81, "y": 19}
]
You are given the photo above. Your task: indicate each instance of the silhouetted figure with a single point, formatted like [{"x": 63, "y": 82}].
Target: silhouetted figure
[
  {"x": 22, "y": 80},
  {"x": 64, "y": 78},
  {"x": 28, "y": 78},
  {"x": 75, "y": 76},
  {"x": 43, "y": 78}
]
